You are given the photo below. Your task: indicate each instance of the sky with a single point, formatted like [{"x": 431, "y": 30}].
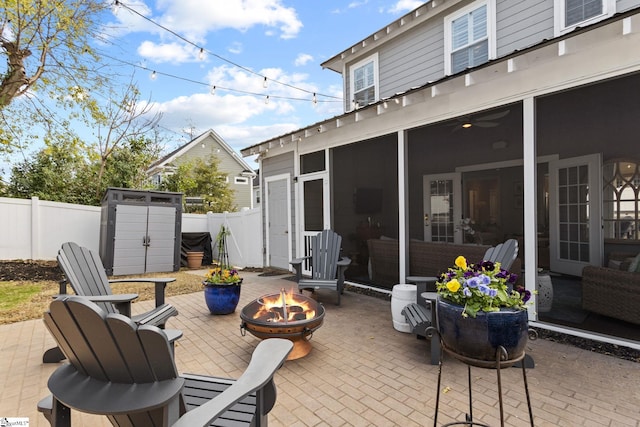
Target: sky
[{"x": 194, "y": 45}]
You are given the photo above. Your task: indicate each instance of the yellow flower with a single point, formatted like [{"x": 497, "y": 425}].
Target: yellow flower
[
  {"x": 461, "y": 262},
  {"x": 454, "y": 285}
]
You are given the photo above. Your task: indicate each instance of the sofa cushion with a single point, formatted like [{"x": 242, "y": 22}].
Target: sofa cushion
[{"x": 634, "y": 267}]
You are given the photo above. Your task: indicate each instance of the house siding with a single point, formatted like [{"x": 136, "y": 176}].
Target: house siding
[
  {"x": 227, "y": 164},
  {"x": 417, "y": 57},
  {"x": 523, "y": 23},
  {"x": 273, "y": 166}
]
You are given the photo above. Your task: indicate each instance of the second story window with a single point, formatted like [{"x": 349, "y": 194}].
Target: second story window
[
  {"x": 574, "y": 13},
  {"x": 364, "y": 81},
  {"x": 468, "y": 37}
]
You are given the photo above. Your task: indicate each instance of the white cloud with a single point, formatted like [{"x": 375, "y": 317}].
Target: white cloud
[
  {"x": 195, "y": 18},
  {"x": 355, "y": 4},
  {"x": 167, "y": 52},
  {"x": 302, "y": 59},
  {"x": 405, "y": 6},
  {"x": 235, "y": 48}
]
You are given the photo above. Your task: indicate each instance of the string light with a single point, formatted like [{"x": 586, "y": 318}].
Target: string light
[
  {"x": 264, "y": 83},
  {"x": 203, "y": 51},
  {"x": 154, "y": 75},
  {"x": 213, "y": 90},
  {"x": 314, "y": 99},
  {"x": 266, "y": 100},
  {"x": 201, "y": 54}
]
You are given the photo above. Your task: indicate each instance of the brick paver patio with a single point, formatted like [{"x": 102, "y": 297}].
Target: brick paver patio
[{"x": 361, "y": 371}]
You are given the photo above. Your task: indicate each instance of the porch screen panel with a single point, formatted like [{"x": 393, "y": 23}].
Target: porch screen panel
[
  {"x": 573, "y": 209},
  {"x": 442, "y": 221},
  {"x": 313, "y": 203}
]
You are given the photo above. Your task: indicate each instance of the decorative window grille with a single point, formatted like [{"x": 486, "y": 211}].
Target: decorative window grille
[{"x": 621, "y": 199}]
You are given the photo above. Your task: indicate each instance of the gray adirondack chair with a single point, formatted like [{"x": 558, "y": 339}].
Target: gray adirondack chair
[
  {"x": 504, "y": 253},
  {"x": 85, "y": 273},
  {"x": 327, "y": 267},
  {"x": 127, "y": 372}
]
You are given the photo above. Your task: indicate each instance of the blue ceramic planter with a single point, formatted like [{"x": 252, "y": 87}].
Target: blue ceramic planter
[
  {"x": 222, "y": 298},
  {"x": 479, "y": 338}
]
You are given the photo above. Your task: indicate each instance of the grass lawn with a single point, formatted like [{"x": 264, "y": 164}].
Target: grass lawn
[{"x": 26, "y": 300}]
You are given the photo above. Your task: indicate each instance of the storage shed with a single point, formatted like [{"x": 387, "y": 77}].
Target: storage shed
[{"x": 140, "y": 231}]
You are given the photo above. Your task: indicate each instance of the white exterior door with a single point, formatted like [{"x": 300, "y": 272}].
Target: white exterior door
[
  {"x": 442, "y": 208},
  {"x": 278, "y": 219},
  {"x": 575, "y": 214}
]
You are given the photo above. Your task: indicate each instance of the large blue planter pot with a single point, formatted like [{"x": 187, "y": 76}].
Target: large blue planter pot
[
  {"x": 222, "y": 298},
  {"x": 479, "y": 338}
]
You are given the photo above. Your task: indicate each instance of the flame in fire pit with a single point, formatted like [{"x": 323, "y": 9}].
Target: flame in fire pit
[{"x": 284, "y": 307}]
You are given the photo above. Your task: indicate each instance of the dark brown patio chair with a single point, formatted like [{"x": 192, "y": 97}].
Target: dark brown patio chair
[
  {"x": 327, "y": 267},
  {"x": 127, "y": 372},
  {"x": 85, "y": 273}
]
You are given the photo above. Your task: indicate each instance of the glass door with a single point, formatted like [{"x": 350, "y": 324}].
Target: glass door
[
  {"x": 575, "y": 214},
  {"x": 442, "y": 208}
]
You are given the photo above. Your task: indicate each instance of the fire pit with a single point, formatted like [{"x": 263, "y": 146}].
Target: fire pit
[{"x": 285, "y": 315}]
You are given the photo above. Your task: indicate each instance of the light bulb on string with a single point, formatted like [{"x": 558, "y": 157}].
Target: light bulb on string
[
  {"x": 266, "y": 100},
  {"x": 264, "y": 83},
  {"x": 213, "y": 90},
  {"x": 201, "y": 54},
  {"x": 154, "y": 75},
  {"x": 314, "y": 99}
]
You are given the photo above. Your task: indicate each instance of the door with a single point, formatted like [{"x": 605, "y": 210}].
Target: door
[
  {"x": 442, "y": 208},
  {"x": 575, "y": 234},
  {"x": 314, "y": 212},
  {"x": 161, "y": 240},
  {"x": 278, "y": 219},
  {"x": 130, "y": 237}
]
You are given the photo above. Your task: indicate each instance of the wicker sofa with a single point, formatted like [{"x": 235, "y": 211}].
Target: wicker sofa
[
  {"x": 425, "y": 259},
  {"x": 612, "y": 291}
]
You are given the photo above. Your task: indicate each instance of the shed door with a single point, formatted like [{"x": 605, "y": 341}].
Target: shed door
[
  {"x": 161, "y": 239},
  {"x": 129, "y": 250}
]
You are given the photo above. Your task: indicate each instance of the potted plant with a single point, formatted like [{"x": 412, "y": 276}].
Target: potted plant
[
  {"x": 481, "y": 310},
  {"x": 222, "y": 289},
  {"x": 222, "y": 283}
]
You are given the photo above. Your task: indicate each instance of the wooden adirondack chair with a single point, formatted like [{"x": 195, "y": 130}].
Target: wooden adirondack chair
[
  {"x": 327, "y": 267},
  {"x": 85, "y": 273},
  {"x": 504, "y": 253},
  {"x": 126, "y": 372}
]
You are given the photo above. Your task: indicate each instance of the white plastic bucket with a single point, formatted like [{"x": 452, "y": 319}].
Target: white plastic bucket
[{"x": 401, "y": 296}]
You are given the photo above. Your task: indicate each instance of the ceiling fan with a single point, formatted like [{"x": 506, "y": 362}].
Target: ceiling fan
[{"x": 482, "y": 121}]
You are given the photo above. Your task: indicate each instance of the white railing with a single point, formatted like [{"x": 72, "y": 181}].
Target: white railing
[{"x": 35, "y": 229}]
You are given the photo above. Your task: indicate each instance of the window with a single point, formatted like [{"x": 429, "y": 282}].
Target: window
[
  {"x": 621, "y": 199},
  {"x": 240, "y": 180},
  {"x": 312, "y": 162},
  {"x": 469, "y": 37},
  {"x": 573, "y": 13},
  {"x": 364, "y": 82}
]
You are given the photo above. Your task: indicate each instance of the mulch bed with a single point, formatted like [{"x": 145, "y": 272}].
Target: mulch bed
[{"x": 27, "y": 270}]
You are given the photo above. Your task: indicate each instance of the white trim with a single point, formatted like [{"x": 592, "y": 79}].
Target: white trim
[
  {"x": 504, "y": 164},
  {"x": 491, "y": 30},
  {"x": 586, "y": 334},
  {"x": 241, "y": 180},
  {"x": 376, "y": 80},
  {"x": 559, "y": 28}
]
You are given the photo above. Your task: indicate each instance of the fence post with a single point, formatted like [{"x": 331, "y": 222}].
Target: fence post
[{"x": 35, "y": 227}]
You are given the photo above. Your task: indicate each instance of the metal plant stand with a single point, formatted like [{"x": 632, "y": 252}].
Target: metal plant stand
[{"x": 499, "y": 363}]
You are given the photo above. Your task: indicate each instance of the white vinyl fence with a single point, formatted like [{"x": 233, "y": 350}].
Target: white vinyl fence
[{"x": 35, "y": 229}]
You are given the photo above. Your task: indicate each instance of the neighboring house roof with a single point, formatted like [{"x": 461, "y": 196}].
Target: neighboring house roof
[{"x": 167, "y": 161}]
